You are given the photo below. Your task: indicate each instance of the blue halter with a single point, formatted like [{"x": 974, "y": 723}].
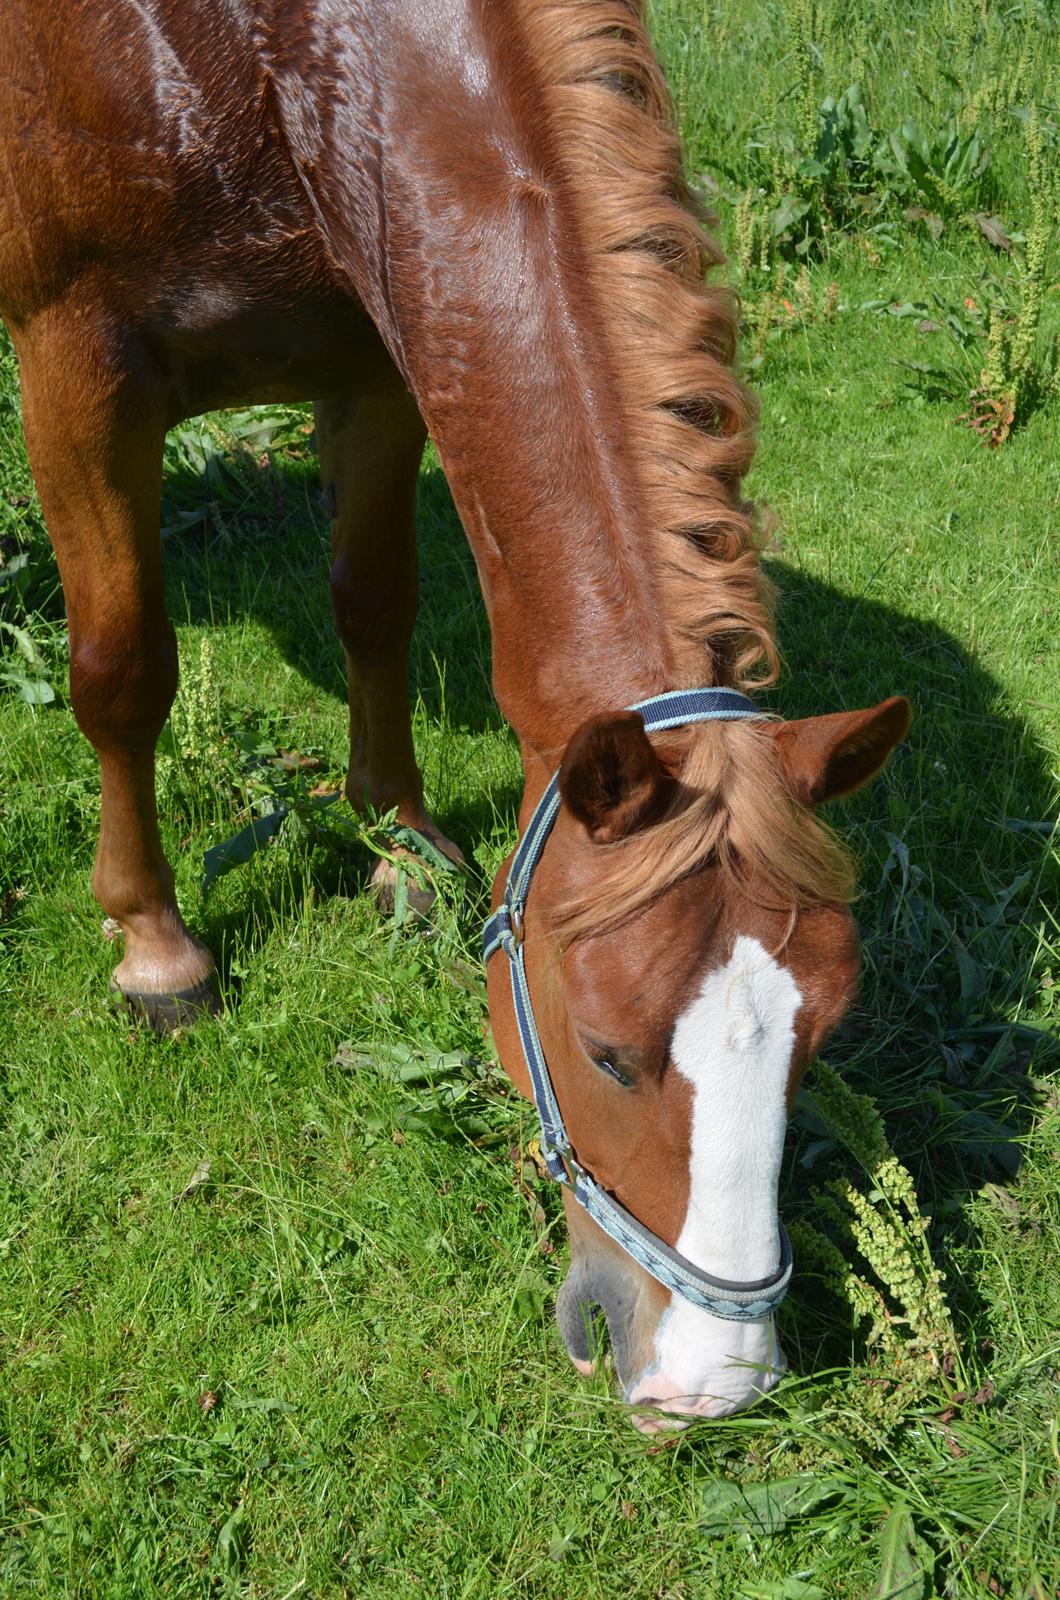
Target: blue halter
[{"x": 736, "y": 1302}]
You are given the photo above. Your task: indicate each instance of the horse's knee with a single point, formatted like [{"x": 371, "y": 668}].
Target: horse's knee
[
  {"x": 375, "y": 612},
  {"x": 122, "y": 683}
]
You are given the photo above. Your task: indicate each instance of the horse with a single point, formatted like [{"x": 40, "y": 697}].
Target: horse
[{"x": 468, "y": 217}]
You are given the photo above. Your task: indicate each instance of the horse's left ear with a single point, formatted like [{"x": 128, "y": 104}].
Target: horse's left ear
[
  {"x": 825, "y": 757},
  {"x": 611, "y": 778}
]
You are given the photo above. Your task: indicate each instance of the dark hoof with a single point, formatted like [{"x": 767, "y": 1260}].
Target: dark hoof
[
  {"x": 167, "y": 1012},
  {"x": 420, "y": 901}
]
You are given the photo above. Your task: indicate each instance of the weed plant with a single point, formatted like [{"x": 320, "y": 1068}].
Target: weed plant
[{"x": 874, "y": 125}]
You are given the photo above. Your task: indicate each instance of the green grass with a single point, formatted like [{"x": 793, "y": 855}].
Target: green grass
[{"x": 331, "y": 1368}]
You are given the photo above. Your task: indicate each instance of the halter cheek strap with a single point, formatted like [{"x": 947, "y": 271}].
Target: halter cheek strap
[{"x": 735, "y": 1302}]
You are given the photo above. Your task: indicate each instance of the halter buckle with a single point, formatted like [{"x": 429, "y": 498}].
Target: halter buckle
[
  {"x": 515, "y": 932},
  {"x": 562, "y": 1166}
]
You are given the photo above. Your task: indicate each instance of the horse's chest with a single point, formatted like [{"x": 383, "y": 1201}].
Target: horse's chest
[{"x": 273, "y": 337}]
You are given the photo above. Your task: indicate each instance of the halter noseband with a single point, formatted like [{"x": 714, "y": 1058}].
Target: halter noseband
[{"x": 735, "y": 1302}]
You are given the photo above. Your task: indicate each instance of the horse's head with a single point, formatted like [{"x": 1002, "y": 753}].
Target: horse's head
[{"x": 687, "y": 948}]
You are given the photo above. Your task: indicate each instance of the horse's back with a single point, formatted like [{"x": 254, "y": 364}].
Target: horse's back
[{"x": 148, "y": 181}]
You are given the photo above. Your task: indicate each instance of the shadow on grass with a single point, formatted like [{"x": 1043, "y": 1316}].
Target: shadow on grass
[
  {"x": 266, "y": 556},
  {"x": 954, "y": 854}
]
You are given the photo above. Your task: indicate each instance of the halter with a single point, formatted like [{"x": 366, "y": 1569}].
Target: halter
[{"x": 735, "y": 1302}]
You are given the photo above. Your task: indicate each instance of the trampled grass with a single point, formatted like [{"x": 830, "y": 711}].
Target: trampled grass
[{"x": 275, "y": 1298}]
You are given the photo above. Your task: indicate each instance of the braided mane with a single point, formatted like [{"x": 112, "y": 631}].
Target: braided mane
[
  {"x": 689, "y": 418},
  {"x": 689, "y": 421}
]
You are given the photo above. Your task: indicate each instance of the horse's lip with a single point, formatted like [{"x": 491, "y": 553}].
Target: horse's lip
[
  {"x": 657, "y": 1421},
  {"x": 587, "y": 1290},
  {"x": 654, "y": 1413},
  {"x": 668, "y": 1414}
]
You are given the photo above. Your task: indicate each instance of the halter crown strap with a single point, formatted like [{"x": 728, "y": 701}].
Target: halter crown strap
[{"x": 735, "y": 1302}]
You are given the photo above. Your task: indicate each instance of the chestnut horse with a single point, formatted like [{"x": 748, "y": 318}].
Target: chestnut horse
[{"x": 467, "y": 216}]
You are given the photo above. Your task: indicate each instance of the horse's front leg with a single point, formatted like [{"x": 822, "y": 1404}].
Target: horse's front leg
[
  {"x": 95, "y": 433},
  {"x": 370, "y": 444}
]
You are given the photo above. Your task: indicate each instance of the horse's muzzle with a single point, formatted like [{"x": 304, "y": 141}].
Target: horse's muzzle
[{"x": 675, "y": 1364}]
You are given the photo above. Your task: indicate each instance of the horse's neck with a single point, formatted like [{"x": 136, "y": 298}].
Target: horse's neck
[{"x": 481, "y": 291}]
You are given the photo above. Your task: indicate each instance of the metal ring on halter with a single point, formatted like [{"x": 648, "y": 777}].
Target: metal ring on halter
[{"x": 736, "y": 1302}]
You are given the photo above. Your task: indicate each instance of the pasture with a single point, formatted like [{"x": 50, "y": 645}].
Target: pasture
[{"x": 276, "y": 1294}]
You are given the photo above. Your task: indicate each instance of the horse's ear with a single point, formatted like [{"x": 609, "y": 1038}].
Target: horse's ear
[
  {"x": 611, "y": 778},
  {"x": 825, "y": 757}
]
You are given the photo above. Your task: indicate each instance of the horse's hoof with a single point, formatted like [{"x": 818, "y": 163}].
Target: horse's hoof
[
  {"x": 420, "y": 897},
  {"x": 166, "y": 1012},
  {"x": 383, "y": 885}
]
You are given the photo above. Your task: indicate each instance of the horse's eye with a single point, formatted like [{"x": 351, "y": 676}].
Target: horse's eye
[{"x": 606, "y": 1062}]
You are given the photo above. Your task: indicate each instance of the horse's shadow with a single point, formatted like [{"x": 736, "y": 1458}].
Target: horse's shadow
[
  {"x": 258, "y": 546},
  {"x": 951, "y": 839}
]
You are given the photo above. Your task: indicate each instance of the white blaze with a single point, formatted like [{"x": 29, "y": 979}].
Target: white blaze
[{"x": 733, "y": 1044}]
